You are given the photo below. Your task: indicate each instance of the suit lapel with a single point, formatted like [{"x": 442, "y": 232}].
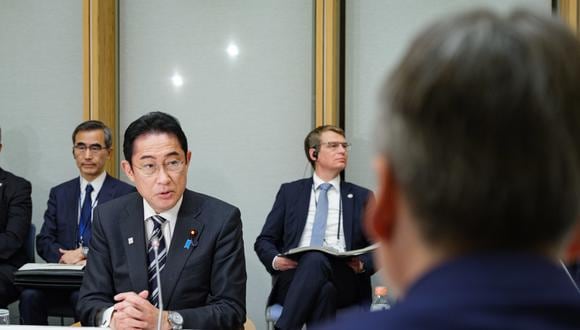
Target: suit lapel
[
  {"x": 107, "y": 190},
  {"x": 2, "y": 183},
  {"x": 72, "y": 210},
  {"x": 180, "y": 248},
  {"x": 302, "y": 204},
  {"x": 133, "y": 240},
  {"x": 347, "y": 200}
]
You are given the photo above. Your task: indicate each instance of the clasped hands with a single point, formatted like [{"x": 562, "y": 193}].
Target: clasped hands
[
  {"x": 72, "y": 257},
  {"x": 134, "y": 311}
]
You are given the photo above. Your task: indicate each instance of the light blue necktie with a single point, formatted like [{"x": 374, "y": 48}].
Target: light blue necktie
[{"x": 319, "y": 227}]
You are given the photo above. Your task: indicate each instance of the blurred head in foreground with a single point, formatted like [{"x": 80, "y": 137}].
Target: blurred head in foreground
[{"x": 479, "y": 143}]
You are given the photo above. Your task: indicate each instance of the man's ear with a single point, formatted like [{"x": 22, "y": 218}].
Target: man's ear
[
  {"x": 128, "y": 170},
  {"x": 313, "y": 154},
  {"x": 382, "y": 216}
]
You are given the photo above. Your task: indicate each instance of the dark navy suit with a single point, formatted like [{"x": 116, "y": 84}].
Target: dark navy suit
[
  {"x": 322, "y": 276},
  {"x": 15, "y": 216},
  {"x": 493, "y": 291},
  {"x": 60, "y": 231}
]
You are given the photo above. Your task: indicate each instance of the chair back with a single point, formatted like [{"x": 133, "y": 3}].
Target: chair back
[{"x": 30, "y": 243}]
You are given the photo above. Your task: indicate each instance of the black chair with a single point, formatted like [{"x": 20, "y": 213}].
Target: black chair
[{"x": 56, "y": 309}]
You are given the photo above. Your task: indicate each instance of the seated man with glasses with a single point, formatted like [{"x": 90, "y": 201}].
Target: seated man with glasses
[
  {"x": 66, "y": 231},
  {"x": 319, "y": 211},
  {"x": 194, "y": 239}
]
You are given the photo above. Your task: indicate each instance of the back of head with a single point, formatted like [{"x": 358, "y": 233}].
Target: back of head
[
  {"x": 152, "y": 123},
  {"x": 482, "y": 129}
]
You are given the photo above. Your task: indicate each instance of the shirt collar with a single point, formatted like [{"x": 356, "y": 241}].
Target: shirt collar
[
  {"x": 335, "y": 182},
  {"x": 169, "y": 215},
  {"x": 97, "y": 183}
]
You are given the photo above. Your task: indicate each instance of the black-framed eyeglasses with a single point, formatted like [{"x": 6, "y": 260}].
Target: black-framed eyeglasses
[
  {"x": 149, "y": 169},
  {"x": 333, "y": 145},
  {"x": 93, "y": 148}
]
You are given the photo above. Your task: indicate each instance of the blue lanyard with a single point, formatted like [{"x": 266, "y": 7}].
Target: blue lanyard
[{"x": 83, "y": 228}]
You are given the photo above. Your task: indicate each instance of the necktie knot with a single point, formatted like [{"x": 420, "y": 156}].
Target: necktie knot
[
  {"x": 89, "y": 189},
  {"x": 325, "y": 187},
  {"x": 158, "y": 220}
]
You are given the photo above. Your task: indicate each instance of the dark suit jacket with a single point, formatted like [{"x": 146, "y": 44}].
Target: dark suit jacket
[
  {"x": 205, "y": 283},
  {"x": 501, "y": 291},
  {"x": 60, "y": 227},
  {"x": 15, "y": 217},
  {"x": 285, "y": 223}
]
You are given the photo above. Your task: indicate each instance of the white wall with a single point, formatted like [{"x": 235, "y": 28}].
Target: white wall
[
  {"x": 245, "y": 117},
  {"x": 40, "y": 92},
  {"x": 377, "y": 34}
]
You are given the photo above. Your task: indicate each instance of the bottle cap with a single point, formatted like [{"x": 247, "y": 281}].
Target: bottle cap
[{"x": 380, "y": 291}]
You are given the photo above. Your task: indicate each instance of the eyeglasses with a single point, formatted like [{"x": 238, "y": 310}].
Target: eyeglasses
[
  {"x": 93, "y": 148},
  {"x": 149, "y": 169},
  {"x": 334, "y": 145}
]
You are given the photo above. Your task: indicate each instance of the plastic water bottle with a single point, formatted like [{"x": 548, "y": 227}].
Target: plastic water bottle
[{"x": 380, "y": 300}]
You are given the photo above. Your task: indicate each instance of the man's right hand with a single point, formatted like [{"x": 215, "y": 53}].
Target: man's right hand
[
  {"x": 134, "y": 311},
  {"x": 71, "y": 257},
  {"x": 282, "y": 264}
]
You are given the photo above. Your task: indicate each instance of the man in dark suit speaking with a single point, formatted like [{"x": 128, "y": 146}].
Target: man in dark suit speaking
[
  {"x": 318, "y": 211},
  {"x": 200, "y": 246}
]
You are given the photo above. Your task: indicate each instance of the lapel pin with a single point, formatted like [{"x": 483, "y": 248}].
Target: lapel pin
[
  {"x": 187, "y": 244},
  {"x": 0, "y": 184},
  {"x": 192, "y": 234},
  {"x": 130, "y": 240},
  {"x": 349, "y": 195}
]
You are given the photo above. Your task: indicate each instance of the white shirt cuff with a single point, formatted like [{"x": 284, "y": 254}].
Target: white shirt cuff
[
  {"x": 106, "y": 318},
  {"x": 274, "y": 263}
]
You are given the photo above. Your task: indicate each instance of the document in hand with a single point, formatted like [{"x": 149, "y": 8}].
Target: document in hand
[{"x": 295, "y": 252}]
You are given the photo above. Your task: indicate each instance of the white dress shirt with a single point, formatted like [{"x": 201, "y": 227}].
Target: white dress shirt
[
  {"x": 97, "y": 184},
  {"x": 168, "y": 227},
  {"x": 334, "y": 235}
]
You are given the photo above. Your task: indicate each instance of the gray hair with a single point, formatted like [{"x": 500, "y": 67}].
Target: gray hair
[
  {"x": 481, "y": 125},
  {"x": 91, "y": 125}
]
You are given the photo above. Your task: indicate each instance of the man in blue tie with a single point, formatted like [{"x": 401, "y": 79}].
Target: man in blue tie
[
  {"x": 319, "y": 211},
  {"x": 66, "y": 231}
]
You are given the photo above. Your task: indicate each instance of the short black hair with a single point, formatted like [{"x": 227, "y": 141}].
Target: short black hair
[
  {"x": 153, "y": 122},
  {"x": 91, "y": 125},
  {"x": 482, "y": 128}
]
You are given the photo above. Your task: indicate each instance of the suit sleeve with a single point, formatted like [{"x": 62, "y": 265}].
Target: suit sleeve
[
  {"x": 46, "y": 241},
  {"x": 19, "y": 216},
  {"x": 268, "y": 243},
  {"x": 226, "y": 303},
  {"x": 96, "y": 293}
]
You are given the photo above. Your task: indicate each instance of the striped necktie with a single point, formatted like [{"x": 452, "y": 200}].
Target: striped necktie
[{"x": 158, "y": 222}]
